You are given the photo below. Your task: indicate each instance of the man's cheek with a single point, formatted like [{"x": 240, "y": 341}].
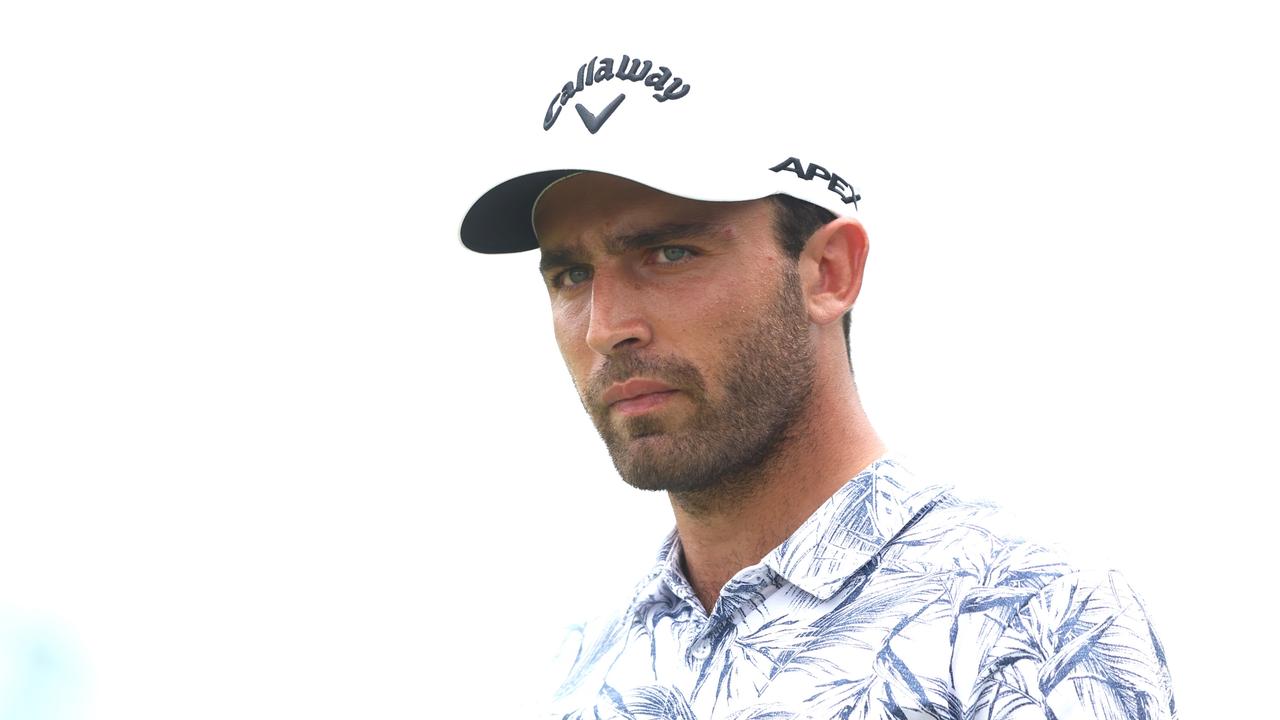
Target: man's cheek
[{"x": 568, "y": 337}]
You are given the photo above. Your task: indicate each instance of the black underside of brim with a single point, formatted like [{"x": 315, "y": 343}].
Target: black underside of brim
[{"x": 501, "y": 221}]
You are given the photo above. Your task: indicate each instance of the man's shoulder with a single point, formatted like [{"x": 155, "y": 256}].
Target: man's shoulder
[
  {"x": 980, "y": 540},
  {"x": 1021, "y": 606},
  {"x": 587, "y": 644}
]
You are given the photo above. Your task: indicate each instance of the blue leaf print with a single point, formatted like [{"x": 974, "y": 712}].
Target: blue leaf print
[{"x": 896, "y": 599}]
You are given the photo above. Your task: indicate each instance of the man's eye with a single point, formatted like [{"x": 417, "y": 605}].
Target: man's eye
[
  {"x": 669, "y": 255},
  {"x": 574, "y": 276}
]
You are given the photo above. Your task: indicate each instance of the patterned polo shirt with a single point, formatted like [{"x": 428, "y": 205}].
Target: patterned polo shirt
[{"x": 894, "y": 599}]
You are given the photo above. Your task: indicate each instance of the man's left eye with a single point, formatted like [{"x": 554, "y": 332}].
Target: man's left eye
[{"x": 672, "y": 254}]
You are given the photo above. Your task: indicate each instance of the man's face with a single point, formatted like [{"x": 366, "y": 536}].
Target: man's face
[{"x": 683, "y": 326}]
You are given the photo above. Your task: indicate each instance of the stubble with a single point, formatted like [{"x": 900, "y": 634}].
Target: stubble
[{"x": 719, "y": 454}]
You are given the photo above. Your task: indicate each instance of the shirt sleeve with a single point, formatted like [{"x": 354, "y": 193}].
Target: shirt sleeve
[{"x": 1082, "y": 647}]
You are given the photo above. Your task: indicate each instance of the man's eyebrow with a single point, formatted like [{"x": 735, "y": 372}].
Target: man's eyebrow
[
  {"x": 552, "y": 259},
  {"x": 660, "y": 235},
  {"x": 619, "y": 244}
]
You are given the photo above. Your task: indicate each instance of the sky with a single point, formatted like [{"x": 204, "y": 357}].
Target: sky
[{"x": 272, "y": 443}]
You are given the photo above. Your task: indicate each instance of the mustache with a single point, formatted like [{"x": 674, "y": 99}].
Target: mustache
[{"x": 677, "y": 373}]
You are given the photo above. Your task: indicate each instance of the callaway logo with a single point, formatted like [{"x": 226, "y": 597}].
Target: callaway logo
[
  {"x": 835, "y": 184},
  {"x": 598, "y": 71}
]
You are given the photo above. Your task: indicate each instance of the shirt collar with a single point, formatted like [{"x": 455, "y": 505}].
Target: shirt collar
[
  {"x": 846, "y": 531},
  {"x": 851, "y": 527}
]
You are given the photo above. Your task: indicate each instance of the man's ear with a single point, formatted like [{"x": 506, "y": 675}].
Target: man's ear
[{"x": 831, "y": 268}]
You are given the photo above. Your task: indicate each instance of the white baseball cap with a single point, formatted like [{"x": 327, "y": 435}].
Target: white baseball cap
[{"x": 707, "y": 128}]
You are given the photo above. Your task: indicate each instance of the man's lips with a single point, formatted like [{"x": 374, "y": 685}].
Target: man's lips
[{"x": 637, "y": 394}]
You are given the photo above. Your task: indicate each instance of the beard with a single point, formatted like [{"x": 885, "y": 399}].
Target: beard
[{"x": 767, "y": 375}]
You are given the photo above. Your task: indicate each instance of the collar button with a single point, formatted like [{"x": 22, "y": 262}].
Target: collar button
[{"x": 701, "y": 649}]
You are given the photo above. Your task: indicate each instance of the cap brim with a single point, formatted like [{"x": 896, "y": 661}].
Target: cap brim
[{"x": 501, "y": 221}]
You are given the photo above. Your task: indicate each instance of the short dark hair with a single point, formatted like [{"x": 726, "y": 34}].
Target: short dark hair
[{"x": 794, "y": 221}]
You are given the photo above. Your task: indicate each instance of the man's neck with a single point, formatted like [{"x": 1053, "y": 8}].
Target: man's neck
[{"x": 724, "y": 532}]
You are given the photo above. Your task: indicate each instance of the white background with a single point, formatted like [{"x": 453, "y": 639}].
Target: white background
[{"x": 272, "y": 444}]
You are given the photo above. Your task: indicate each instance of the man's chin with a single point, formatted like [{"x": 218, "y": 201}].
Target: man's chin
[
  {"x": 664, "y": 478},
  {"x": 636, "y": 429},
  {"x": 653, "y": 462},
  {"x": 646, "y": 447}
]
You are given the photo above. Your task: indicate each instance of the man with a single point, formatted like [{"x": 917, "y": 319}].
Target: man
[{"x": 701, "y": 307}]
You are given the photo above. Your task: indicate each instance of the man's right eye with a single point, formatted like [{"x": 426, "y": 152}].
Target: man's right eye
[{"x": 573, "y": 276}]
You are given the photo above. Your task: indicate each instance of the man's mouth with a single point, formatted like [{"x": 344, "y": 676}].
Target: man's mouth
[
  {"x": 637, "y": 396},
  {"x": 642, "y": 403}
]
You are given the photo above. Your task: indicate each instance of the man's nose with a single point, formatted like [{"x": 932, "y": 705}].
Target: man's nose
[{"x": 617, "y": 316}]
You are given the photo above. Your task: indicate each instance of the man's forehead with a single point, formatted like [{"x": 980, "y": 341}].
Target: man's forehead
[
  {"x": 597, "y": 213},
  {"x": 604, "y": 204},
  {"x": 621, "y": 242}
]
